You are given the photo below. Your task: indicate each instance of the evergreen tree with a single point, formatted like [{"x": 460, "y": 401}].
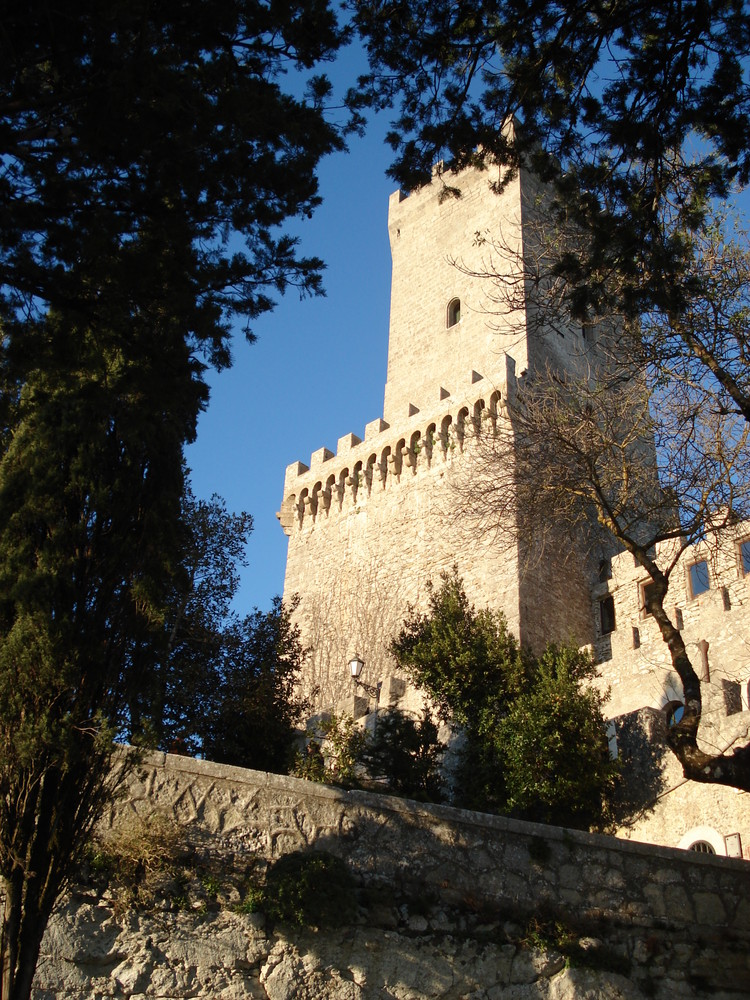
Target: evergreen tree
[
  {"x": 553, "y": 746},
  {"x": 405, "y": 753},
  {"x": 90, "y": 542},
  {"x": 252, "y": 715},
  {"x": 150, "y": 157},
  {"x": 534, "y": 736},
  {"x": 169, "y": 703}
]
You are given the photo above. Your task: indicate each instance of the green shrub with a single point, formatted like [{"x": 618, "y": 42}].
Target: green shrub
[
  {"x": 406, "y": 753},
  {"x": 310, "y": 889},
  {"x": 534, "y": 737},
  {"x": 333, "y": 753}
]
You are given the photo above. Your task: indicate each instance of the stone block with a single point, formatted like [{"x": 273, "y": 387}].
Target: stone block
[
  {"x": 374, "y": 428},
  {"x": 346, "y": 443},
  {"x": 293, "y": 471},
  {"x": 318, "y": 457},
  {"x": 709, "y": 909}
]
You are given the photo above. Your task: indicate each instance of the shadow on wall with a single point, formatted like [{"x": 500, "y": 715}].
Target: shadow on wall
[{"x": 641, "y": 748}]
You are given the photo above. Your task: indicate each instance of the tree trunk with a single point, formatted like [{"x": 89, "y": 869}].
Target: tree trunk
[
  {"x": 53, "y": 812},
  {"x": 22, "y": 932},
  {"x": 697, "y": 765}
]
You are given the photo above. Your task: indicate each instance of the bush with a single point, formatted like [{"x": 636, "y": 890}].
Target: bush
[
  {"x": 138, "y": 858},
  {"x": 535, "y": 741},
  {"x": 405, "y": 753},
  {"x": 310, "y": 890},
  {"x": 333, "y": 753},
  {"x": 554, "y": 747}
]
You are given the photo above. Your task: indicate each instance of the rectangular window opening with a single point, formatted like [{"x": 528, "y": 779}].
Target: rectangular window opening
[
  {"x": 745, "y": 557},
  {"x": 698, "y": 578},
  {"x": 607, "y": 614},
  {"x": 646, "y": 591}
]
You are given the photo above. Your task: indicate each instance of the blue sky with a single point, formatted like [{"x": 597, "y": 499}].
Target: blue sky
[{"x": 317, "y": 370}]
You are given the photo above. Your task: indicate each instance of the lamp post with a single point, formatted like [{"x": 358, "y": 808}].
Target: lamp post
[{"x": 356, "y": 663}]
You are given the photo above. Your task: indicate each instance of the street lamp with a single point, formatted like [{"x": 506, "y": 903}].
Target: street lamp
[{"x": 355, "y": 668}]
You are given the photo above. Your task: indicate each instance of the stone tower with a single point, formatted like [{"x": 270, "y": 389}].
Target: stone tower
[{"x": 372, "y": 523}]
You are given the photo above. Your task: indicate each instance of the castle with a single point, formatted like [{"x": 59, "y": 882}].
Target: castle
[{"x": 372, "y": 524}]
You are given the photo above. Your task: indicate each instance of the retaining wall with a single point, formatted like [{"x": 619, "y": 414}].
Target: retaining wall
[{"x": 449, "y": 891}]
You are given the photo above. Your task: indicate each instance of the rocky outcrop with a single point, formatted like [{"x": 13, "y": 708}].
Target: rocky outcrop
[{"x": 91, "y": 953}]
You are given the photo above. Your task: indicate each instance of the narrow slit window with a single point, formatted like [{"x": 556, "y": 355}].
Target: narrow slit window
[
  {"x": 454, "y": 312},
  {"x": 607, "y": 614},
  {"x": 647, "y": 590},
  {"x": 745, "y": 556}
]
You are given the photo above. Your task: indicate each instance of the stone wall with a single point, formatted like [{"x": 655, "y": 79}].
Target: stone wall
[
  {"x": 370, "y": 527},
  {"x": 445, "y": 902},
  {"x": 634, "y": 665},
  {"x": 635, "y": 651}
]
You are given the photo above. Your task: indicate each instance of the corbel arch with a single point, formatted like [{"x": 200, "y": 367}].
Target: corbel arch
[
  {"x": 412, "y": 453},
  {"x": 461, "y": 419},
  {"x": 478, "y": 414},
  {"x": 398, "y": 456},
  {"x": 304, "y": 505},
  {"x": 315, "y": 499},
  {"x": 370, "y": 471},
  {"x": 445, "y": 433},
  {"x": 327, "y": 494},
  {"x": 341, "y": 487},
  {"x": 494, "y": 408},
  {"x": 356, "y": 480},
  {"x": 385, "y": 462},
  {"x": 429, "y": 441}
]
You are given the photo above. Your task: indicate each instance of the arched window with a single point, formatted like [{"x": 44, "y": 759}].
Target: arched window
[
  {"x": 704, "y": 840},
  {"x": 454, "y": 312},
  {"x": 702, "y": 847},
  {"x": 607, "y": 614}
]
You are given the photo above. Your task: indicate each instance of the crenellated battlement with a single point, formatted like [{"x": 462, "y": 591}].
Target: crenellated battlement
[
  {"x": 360, "y": 468},
  {"x": 374, "y": 521}
]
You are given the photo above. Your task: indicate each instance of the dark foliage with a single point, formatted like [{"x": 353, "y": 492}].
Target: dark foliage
[
  {"x": 149, "y": 158},
  {"x": 253, "y": 713},
  {"x": 405, "y": 753},
  {"x": 606, "y": 99},
  {"x": 310, "y": 889},
  {"x": 535, "y": 741}
]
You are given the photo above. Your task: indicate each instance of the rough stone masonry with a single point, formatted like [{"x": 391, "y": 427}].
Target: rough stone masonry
[{"x": 448, "y": 903}]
